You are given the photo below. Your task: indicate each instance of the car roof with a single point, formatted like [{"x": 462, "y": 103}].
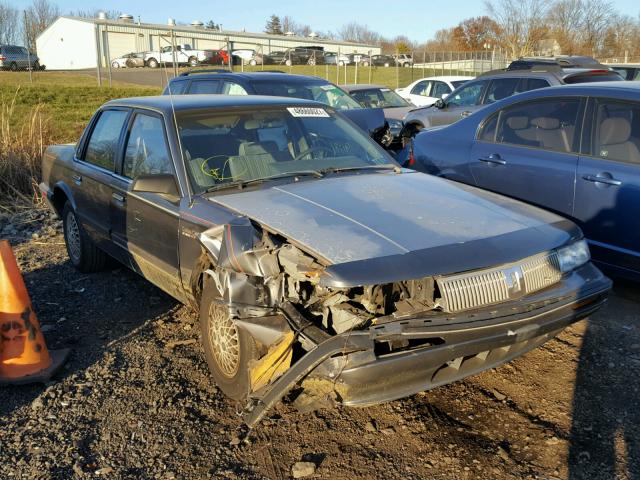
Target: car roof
[
  {"x": 251, "y": 76},
  {"x": 447, "y": 78},
  {"x": 168, "y": 103}
]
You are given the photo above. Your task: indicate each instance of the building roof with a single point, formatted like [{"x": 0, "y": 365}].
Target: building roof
[{"x": 199, "y": 30}]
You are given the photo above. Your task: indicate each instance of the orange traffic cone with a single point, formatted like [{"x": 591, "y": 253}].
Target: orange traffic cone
[{"x": 24, "y": 357}]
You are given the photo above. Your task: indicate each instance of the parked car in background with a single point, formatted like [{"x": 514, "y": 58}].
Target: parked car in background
[
  {"x": 371, "y": 120},
  {"x": 360, "y": 59},
  {"x": 249, "y": 56},
  {"x": 183, "y": 54},
  {"x": 314, "y": 262},
  {"x": 628, "y": 71},
  {"x": 129, "y": 60},
  {"x": 573, "y": 149},
  {"x": 404, "y": 59},
  {"x": 563, "y": 61},
  {"x": 382, "y": 60},
  {"x": 295, "y": 56},
  {"x": 426, "y": 91},
  {"x": 496, "y": 85},
  {"x": 332, "y": 58},
  {"x": 377, "y": 96},
  {"x": 14, "y": 57}
]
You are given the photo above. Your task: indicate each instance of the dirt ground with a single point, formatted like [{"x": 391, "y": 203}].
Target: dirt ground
[{"x": 131, "y": 403}]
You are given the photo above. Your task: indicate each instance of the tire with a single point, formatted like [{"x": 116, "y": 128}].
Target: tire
[
  {"x": 386, "y": 64},
  {"x": 83, "y": 253},
  {"x": 13, "y": 66},
  {"x": 228, "y": 355},
  {"x": 252, "y": 62},
  {"x": 152, "y": 63},
  {"x": 341, "y": 63},
  {"x": 115, "y": 65},
  {"x": 193, "y": 62},
  {"x": 406, "y": 65},
  {"x": 36, "y": 65},
  {"x": 365, "y": 64},
  {"x": 288, "y": 63}
]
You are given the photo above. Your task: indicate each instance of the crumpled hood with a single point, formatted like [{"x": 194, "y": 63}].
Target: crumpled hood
[{"x": 347, "y": 218}]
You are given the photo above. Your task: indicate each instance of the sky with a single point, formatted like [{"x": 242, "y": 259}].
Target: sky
[{"x": 418, "y": 21}]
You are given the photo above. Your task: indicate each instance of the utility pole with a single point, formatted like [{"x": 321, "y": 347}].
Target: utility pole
[{"x": 26, "y": 31}]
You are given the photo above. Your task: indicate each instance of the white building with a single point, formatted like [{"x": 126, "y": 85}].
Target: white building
[{"x": 71, "y": 43}]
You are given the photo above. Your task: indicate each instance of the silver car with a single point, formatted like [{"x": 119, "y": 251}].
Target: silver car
[{"x": 13, "y": 57}]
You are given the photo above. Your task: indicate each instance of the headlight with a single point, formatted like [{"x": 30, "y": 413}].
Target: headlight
[
  {"x": 573, "y": 256},
  {"x": 395, "y": 126}
]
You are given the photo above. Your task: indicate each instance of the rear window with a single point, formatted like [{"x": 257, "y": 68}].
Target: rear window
[{"x": 589, "y": 77}]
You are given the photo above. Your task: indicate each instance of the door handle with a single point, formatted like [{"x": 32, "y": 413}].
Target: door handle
[
  {"x": 601, "y": 179},
  {"x": 77, "y": 179},
  {"x": 118, "y": 197},
  {"x": 493, "y": 158}
]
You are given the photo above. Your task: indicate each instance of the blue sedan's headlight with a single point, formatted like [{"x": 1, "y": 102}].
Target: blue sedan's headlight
[
  {"x": 395, "y": 126},
  {"x": 573, "y": 256}
]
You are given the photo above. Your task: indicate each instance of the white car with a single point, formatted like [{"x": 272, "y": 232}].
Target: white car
[
  {"x": 250, "y": 57},
  {"x": 129, "y": 60},
  {"x": 425, "y": 92}
]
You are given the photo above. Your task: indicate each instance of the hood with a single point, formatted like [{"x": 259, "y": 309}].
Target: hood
[
  {"x": 371, "y": 120},
  {"x": 397, "y": 113},
  {"x": 348, "y": 219}
]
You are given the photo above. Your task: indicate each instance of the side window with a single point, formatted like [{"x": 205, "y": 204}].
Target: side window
[
  {"x": 617, "y": 135},
  {"x": 232, "y": 88},
  {"x": 103, "y": 143},
  {"x": 177, "y": 88},
  {"x": 546, "y": 124},
  {"x": 439, "y": 89},
  {"x": 488, "y": 130},
  {"x": 527, "y": 84},
  {"x": 466, "y": 96},
  {"x": 204, "y": 86},
  {"x": 421, "y": 88},
  {"x": 147, "y": 152},
  {"x": 501, "y": 88}
]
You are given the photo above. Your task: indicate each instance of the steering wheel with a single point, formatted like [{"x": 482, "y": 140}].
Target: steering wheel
[{"x": 316, "y": 148}]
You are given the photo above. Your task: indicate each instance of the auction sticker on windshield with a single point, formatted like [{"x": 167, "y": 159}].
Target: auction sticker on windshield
[{"x": 307, "y": 112}]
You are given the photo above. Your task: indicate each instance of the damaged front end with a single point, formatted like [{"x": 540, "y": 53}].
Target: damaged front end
[{"x": 365, "y": 344}]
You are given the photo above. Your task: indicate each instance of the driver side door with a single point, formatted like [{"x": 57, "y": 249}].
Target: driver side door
[{"x": 461, "y": 103}]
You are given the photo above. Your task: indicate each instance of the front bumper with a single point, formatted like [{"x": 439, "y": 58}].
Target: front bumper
[{"x": 450, "y": 347}]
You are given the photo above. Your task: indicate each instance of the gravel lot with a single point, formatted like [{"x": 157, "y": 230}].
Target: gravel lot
[{"x": 136, "y": 401}]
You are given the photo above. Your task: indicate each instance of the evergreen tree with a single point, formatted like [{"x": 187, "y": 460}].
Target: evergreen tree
[{"x": 274, "y": 26}]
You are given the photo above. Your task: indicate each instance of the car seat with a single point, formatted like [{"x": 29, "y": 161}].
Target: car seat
[
  {"x": 615, "y": 143},
  {"x": 254, "y": 160},
  {"x": 552, "y": 134}
]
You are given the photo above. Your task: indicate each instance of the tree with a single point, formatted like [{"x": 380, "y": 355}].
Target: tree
[
  {"x": 473, "y": 33},
  {"x": 9, "y": 24},
  {"x": 93, "y": 13},
  {"x": 521, "y": 23},
  {"x": 355, "y": 32},
  {"x": 290, "y": 25},
  {"x": 274, "y": 26},
  {"x": 39, "y": 16},
  {"x": 210, "y": 25}
]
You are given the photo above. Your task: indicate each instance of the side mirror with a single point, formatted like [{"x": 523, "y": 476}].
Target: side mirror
[
  {"x": 439, "y": 103},
  {"x": 164, "y": 184},
  {"x": 444, "y": 96}
]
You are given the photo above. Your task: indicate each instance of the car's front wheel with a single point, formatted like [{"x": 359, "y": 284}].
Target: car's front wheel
[
  {"x": 115, "y": 65},
  {"x": 229, "y": 350},
  {"x": 193, "y": 62},
  {"x": 252, "y": 62},
  {"x": 152, "y": 63},
  {"x": 83, "y": 253}
]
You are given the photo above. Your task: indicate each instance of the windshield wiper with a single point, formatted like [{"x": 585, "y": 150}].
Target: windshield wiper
[
  {"x": 244, "y": 183},
  {"x": 386, "y": 166}
]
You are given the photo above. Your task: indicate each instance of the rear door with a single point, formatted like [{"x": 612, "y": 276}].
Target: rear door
[
  {"x": 94, "y": 169},
  {"x": 529, "y": 151},
  {"x": 608, "y": 183}
]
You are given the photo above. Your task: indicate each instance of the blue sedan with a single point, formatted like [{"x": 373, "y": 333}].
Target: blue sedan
[{"x": 573, "y": 149}]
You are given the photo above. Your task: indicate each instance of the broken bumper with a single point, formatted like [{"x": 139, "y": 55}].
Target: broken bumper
[
  {"x": 452, "y": 347},
  {"x": 463, "y": 345}
]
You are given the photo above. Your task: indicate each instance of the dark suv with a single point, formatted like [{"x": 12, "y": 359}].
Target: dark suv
[
  {"x": 13, "y": 57},
  {"x": 296, "y": 56},
  {"x": 279, "y": 84},
  {"x": 496, "y": 85}
]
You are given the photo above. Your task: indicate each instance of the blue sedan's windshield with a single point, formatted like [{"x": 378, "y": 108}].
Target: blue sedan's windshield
[{"x": 241, "y": 146}]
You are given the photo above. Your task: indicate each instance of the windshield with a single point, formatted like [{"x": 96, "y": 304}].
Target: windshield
[
  {"x": 458, "y": 83},
  {"x": 326, "y": 93},
  {"x": 379, "y": 98},
  {"x": 240, "y": 146}
]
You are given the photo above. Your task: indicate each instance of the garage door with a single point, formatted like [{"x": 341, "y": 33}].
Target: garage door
[
  {"x": 203, "y": 44},
  {"x": 121, "y": 43}
]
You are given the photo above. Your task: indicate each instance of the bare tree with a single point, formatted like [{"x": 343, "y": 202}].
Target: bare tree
[
  {"x": 565, "y": 19},
  {"x": 93, "y": 13},
  {"x": 290, "y": 25},
  {"x": 9, "y": 23},
  {"x": 521, "y": 23},
  {"x": 355, "y": 32},
  {"x": 596, "y": 18},
  {"x": 39, "y": 16}
]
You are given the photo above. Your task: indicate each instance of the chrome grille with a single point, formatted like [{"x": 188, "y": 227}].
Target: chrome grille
[{"x": 487, "y": 287}]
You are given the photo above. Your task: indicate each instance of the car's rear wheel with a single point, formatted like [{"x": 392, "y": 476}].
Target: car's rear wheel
[
  {"x": 229, "y": 350},
  {"x": 252, "y": 62},
  {"x": 152, "y": 63},
  {"x": 83, "y": 253},
  {"x": 115, "y": 65},
  {"x": 13, "y": 66},
  {"x": 288, "y": 63},
  {"x": 193, "y": 61}
]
